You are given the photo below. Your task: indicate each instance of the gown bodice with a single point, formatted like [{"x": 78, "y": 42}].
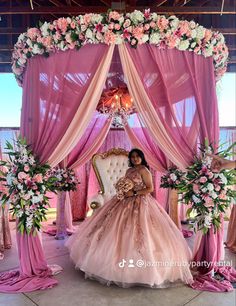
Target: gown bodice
[{"x": 134, "y": 175}]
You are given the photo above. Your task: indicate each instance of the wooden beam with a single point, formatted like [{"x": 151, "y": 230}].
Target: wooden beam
[
  {"x": 190, "y": 10},
  {"x": 226, "y": 31},
  {"x": 55, "y": 2}
]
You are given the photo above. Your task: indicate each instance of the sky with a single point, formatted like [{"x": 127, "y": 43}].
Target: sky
[{"x": 11, "y": 95}]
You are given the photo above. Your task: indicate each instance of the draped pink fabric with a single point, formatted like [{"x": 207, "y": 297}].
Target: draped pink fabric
[
  {"x": 59, "y": 83},
  {"x": 53, "y": 90},
  {"x": 88, "y": 145},
  {"x": 231, "y": 235},
  {"x": 183, "y": 98}
]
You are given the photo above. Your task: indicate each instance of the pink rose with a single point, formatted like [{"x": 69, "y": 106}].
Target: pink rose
[
  {"x": 208, "y": 34},
  {"x": 33, "y": 33},
  {"x": 62, "y": 24},
  {"x": 146, "y": 27},
  {"x": 114, "y": 15},
  {"x": 22, "y": 176},
  {"x": 172, "y": 41},
  {"x": 152, "y": 24},
  {"x": 47, "y": 41},
  {"x": 138, "y": 32},
  {"x": 38, "y": 178},
  {"x": 217, "y": 188},
  {"x": 26, "y": 197},
  {"x": 184, "y": 27},
  {"x": 111, "y": 26},
  {"x": 35, "y": 187},
  {"x": 195, "y": 188},
  {"x": 208, "y": 202},
  {"x": 162, "y": 23},
  {"x": 117, "y": 26},
  {"x": 110, "y": 38},
  {"x": 26, "y": 168},
  {"x": 203, "y": 179},
  {"x": 87, "y": 18},
  {"x": 51, "y": 27},
  {"x": 72, "y": 25},
  {"x": 210, "y": 175}
]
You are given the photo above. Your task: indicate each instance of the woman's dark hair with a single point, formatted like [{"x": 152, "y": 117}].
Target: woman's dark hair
[{"x": 140, "y": 154}]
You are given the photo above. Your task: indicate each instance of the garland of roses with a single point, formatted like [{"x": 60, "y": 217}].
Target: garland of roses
[{"x": 135, "y": 28}]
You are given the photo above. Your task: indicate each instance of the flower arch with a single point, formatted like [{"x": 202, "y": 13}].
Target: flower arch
[{"x": 136, "y": 28}]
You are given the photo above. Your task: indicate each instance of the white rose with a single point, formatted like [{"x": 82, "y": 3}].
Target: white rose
[
  {"x": 193, "y": 44},
  {"x": 96, "y": 18},
  {"x": 89, "y": 34},
  {"x": 145, "y": 38},
  {"x": 196, "y": 199},
  {"x": 213, "y": 195},
  {"x": 200, "y": 32},
  {"x": 154, "y": 16},
  {"x": 21, "y": 37},
  {"x": 21, "y": 61},
  {"x": 173, "y": 177},
  {"x": 174, "y": 23},
  {"x": 119, "y": 40},
  {"x": 192, "y": 24},
  {"x": 36, "y": 49},
  {"x": 20, "y": 186},
  {"x": 137, "y": 17},
  {"x": 29, "y": 42},
  {"x": 121, "y": 20},
  {"x": 83, "y": 27},
  {"x": 193, "y": 33},
  {"x": 208, "y": 221},
  {"x": 210, "y": 187},
  {"x": 208, "y": 52},
  {"x": 44, "y": 28},
  {"x": 183, "y": 45},
  {"x": 36, "y": 199},
  {"x": 155, "y": 38},
  {"x": 223, "y": 178}
]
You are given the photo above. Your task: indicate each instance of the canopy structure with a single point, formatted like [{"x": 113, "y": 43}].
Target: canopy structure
[{"x": 169, "y": 68}]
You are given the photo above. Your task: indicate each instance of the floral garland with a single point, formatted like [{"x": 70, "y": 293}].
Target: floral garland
[
  {"x": 27, "y": 182},
  {"x": 135, "y": 28},
  {"x": 64, "y": 179},
  {"x": 208, "y": 191}
]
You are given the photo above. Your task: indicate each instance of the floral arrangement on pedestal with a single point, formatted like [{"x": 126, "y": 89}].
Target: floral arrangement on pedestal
[
  {"x": 135, "y": 28},
  {"x": 64, "y": 179},
  {"x": 208, "y": 191},
  {"x": 27, "y": 181}
]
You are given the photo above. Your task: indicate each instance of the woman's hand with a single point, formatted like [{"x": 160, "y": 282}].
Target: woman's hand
[{"x": 130, "y": 193}]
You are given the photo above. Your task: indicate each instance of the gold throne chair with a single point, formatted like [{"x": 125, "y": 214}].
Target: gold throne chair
[{"x": 109, "y": 167}]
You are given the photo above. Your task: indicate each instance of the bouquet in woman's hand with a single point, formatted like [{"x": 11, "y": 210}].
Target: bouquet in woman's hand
[{"x": 123, "y": 185}]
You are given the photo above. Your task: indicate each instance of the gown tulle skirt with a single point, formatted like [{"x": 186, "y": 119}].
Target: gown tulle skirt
[{"x": 131, "y": 242}]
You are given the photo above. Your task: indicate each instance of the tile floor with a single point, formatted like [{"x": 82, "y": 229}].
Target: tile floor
[{"x": 74, "y": 290}]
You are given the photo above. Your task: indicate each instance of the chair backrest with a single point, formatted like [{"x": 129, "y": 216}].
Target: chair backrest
[{"x": 109, "y": 167}]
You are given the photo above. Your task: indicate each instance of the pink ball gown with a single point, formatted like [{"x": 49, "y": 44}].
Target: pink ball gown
[{"x": 131, "y": 242}]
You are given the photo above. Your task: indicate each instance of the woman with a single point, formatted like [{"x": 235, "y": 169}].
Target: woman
[{"x": 132, "y": 241}]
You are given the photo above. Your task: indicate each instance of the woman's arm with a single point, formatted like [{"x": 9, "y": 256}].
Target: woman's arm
[{"x": 219, "y": 163}]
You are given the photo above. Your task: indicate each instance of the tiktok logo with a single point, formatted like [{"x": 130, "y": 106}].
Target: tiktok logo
[{"x": 122, "y": 263}]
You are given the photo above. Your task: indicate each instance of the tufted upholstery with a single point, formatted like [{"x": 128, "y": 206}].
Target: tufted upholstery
[{"x": 109, "y": 167}]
